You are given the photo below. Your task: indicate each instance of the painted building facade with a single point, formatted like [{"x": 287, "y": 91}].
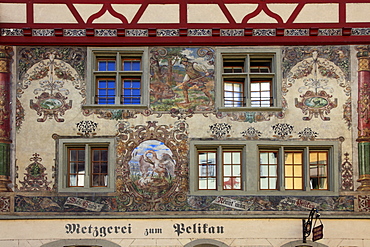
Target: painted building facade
[{"x": 184, "y": 123}]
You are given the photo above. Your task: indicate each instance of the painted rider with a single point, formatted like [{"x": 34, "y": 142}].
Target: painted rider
[{"x": 194, "y": 77}]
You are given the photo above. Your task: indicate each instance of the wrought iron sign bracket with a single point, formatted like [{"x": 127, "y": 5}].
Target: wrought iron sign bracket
[{"x": 307, "y": 226}]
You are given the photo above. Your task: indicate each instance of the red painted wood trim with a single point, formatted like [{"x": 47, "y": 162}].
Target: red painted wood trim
[{"x": 182, "y": 40}]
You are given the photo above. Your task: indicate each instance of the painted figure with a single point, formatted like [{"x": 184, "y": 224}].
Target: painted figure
[
  {"x": 195, "y": 76},
  {"x": 164, "y": 167}
]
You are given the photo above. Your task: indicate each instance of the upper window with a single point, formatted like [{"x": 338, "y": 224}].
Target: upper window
[
  {"x": 263, "y": 167},
  {"x": 249, "y": 80},
  {"x": 118, "y": 78},
  {"x": 86, "y": 165}
]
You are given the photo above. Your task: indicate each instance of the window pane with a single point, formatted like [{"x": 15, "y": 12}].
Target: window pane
[
  {"x": 227, "y": 158},
  {"x": 104, "y": 168},
  {"x": 298, "y": 158},
  {"x": 288, "y": 158},
  {"x": 231, "y": 170},
  {"x": 273, "y": 157},
  {"x": 131, "y": 91},
  {"x": 211, "y": 158},
  {"x": 323, "y": 185},
  {"x": 111, "y": 65},
  {"x": 264, "y": 183},
  {"x": 81, "y": 168},
  {"x": 265, "y": 86},
  {"x": 297, "y": 183},
  {"x": 233, "y": 93},
  {"x": 212, "y": 183},
  {"x": 273, "y": 170},
  {"x": 319, "y": 170},
  {"x": 298, "y": 171},
  {"x": 207, "y": 170},
  {"x": 323, "y": 157},
  {"x": 260, "y": 65},
  {"x": 264, "y": 158},
  {"x": 106, "y": 64},
  {"x": 261, "y": 93},
  {"x": 293, "y": 170},
  {"x": 288, "y": 170},
  {"x": 255, "y": 87},
  {"x": 105, "y": 91},
  {"x": 236, "y": 157},
  {"x": 273, "y": 183},
  {"x": 72, "y": 180},
  {"x": 233, "y": 65},
  {"x": 73, "y": 167},
  {"x": 289, "y": 183},
  {"x": 211, "y": 170},
  {"x": 203, "y": 183},
  {"x": 99, "y": 167},
  {"x": 264, "y": 171},
  {"x": 136, "y": 65},
  {"x": 76, "y": 167},
  {"x": 131, "y": 64},
  {"x": 227, "y": 170},
  {"x": 236, "y": 170},
  {"x": 268, "y": 170},
  {"x": 203, "y": 158}
]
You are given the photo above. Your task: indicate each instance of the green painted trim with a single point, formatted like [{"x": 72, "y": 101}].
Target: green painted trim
[
  {"x": 364, "y": 158},
  {"x": 5, "y": 159}
]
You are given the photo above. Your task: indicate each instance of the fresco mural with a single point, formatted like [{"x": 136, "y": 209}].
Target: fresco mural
[
  {"x": 35, "y": 178},
  {"x": 54, "y": 70},
  {"x": 182, "y": 78},
  {"x": 318, "y": 72},
  {"x": 152, "y": 165},
  {"x": 212, "y": 204}
]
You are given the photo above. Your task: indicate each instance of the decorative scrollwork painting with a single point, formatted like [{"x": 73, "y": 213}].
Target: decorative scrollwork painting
[
  {"x": 50, "y": 73},
  {"x": 317, "y": 73},
  {"x": 35, "y": 178}
]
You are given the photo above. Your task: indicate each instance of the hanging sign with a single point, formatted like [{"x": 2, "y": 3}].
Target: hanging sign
[{"x": 317, "y": 232}]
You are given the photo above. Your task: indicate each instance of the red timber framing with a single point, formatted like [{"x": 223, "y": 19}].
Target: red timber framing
[{"x": 277, "y": 31}]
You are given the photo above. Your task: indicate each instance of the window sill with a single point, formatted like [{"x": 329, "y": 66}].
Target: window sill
[
  {"x": 264, "y": 193},
  {"x": 85, "y": 190},
  {"x": 95, "y": 106},
  {"x": 250, "y": 109}
]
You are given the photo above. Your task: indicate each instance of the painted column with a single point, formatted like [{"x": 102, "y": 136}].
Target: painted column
[
  {"x": 5, "y": 60},
  {"x": 363, "y": 112}
]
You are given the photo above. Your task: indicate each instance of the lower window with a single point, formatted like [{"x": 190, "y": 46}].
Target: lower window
[
  {"x": 293, "y": 169},
  {"x": 86, "y": 165},
  {"x": 230, "y": 162},
  {"x": 264, "y": 167}
]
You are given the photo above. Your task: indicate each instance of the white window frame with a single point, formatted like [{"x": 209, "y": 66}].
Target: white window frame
[
  {"x": 250, "y": 167},
  {"x": 118, "y": 53},
  {"x": 273, "y": 53},
  {"x": 88, "y": 143}
]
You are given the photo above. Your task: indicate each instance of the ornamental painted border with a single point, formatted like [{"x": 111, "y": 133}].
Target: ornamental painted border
[{"x": 201, "y": 32}]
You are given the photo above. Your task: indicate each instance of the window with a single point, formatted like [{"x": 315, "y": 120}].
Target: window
[
  {"x": 86, "y": 165},
  {"x": 117, "y": 78},
  {"x": 264, "y": 167},
  {"x": 230, "y": 169},
  {"x": 268, "y": 170},
  {"x": 249, "y": 79},
  {"x": 293, "y": 165}
]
